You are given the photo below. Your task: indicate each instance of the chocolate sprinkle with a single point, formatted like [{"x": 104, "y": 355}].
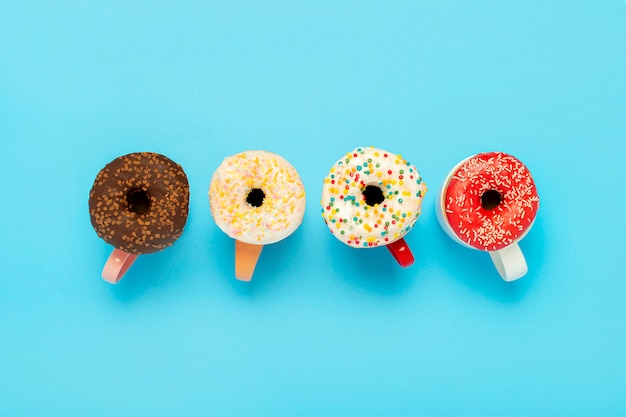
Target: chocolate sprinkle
[{"x": 160, "y": 222}]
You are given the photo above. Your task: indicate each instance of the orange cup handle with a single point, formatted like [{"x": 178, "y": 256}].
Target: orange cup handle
[
  {"x": 246, "y": 257},
  {"x": 401, "y": 252}
]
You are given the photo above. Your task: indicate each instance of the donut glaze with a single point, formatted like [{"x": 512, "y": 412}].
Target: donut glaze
[
  {"x": 257, "y": 197},
  {"x": 371, "y": 197},
  {"x": 139, "y": 202},
  {"x": 481, "y": 177}
]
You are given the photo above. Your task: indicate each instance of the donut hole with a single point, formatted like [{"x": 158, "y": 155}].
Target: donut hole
[
  {"x": 255, "y": 197},
  {"x": 490, "y": 199},
  {"x": 138, "y": 201},
  {"x": 373, "y": 195}
]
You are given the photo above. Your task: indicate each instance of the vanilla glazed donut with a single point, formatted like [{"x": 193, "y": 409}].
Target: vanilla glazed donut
[
  {"x": 257, "y": 197},
  {"x": 371, "y": 197},
  {"x": 490, "y": 200},
  {"x": 139, "y": 202}
]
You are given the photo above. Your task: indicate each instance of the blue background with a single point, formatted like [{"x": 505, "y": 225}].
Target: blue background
[{"x": 322, "y": 329}]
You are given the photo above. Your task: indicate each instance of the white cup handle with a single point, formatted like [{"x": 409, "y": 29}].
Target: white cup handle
[{"x": 510, "y": 262}]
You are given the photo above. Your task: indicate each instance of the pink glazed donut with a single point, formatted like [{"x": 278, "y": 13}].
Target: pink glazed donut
[{"x": 490, "y": 200}]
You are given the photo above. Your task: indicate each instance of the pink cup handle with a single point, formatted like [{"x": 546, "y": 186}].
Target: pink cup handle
[
  {"x": 401, "y": 253},
  {"x": 117, "y": 265}
]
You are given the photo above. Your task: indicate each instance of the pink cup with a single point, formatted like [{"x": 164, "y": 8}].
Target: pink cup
[{"x": 138, "y": 204}]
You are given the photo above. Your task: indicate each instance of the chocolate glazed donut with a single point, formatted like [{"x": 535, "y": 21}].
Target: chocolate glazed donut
[{"x": 139, "y": 202}]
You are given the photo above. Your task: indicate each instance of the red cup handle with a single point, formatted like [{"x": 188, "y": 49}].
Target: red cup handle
[
  {"x": 401, "y": 252},
  {"x": 117, "y": 265}
]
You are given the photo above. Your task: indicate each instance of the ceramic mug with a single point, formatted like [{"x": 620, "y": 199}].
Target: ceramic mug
[
  {"x": 139, "y": 204},
  {"x": 489, "y": 202},
  {"x": 371, "y": 198},
  {"x": 257, "y": 198}
]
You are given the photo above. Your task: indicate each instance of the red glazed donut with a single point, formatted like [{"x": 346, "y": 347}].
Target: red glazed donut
[{"x": 490, "y": 200}]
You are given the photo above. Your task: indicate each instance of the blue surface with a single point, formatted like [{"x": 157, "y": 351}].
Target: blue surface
[{"x": 323, "y": 329}]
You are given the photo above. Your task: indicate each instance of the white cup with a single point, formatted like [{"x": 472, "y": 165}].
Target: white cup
[{"x": 509, "y": 260}]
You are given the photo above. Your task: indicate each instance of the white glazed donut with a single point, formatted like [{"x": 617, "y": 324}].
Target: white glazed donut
[
  {"x": 257, "y": 197},
  {"x": 371, "y": 197}
]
